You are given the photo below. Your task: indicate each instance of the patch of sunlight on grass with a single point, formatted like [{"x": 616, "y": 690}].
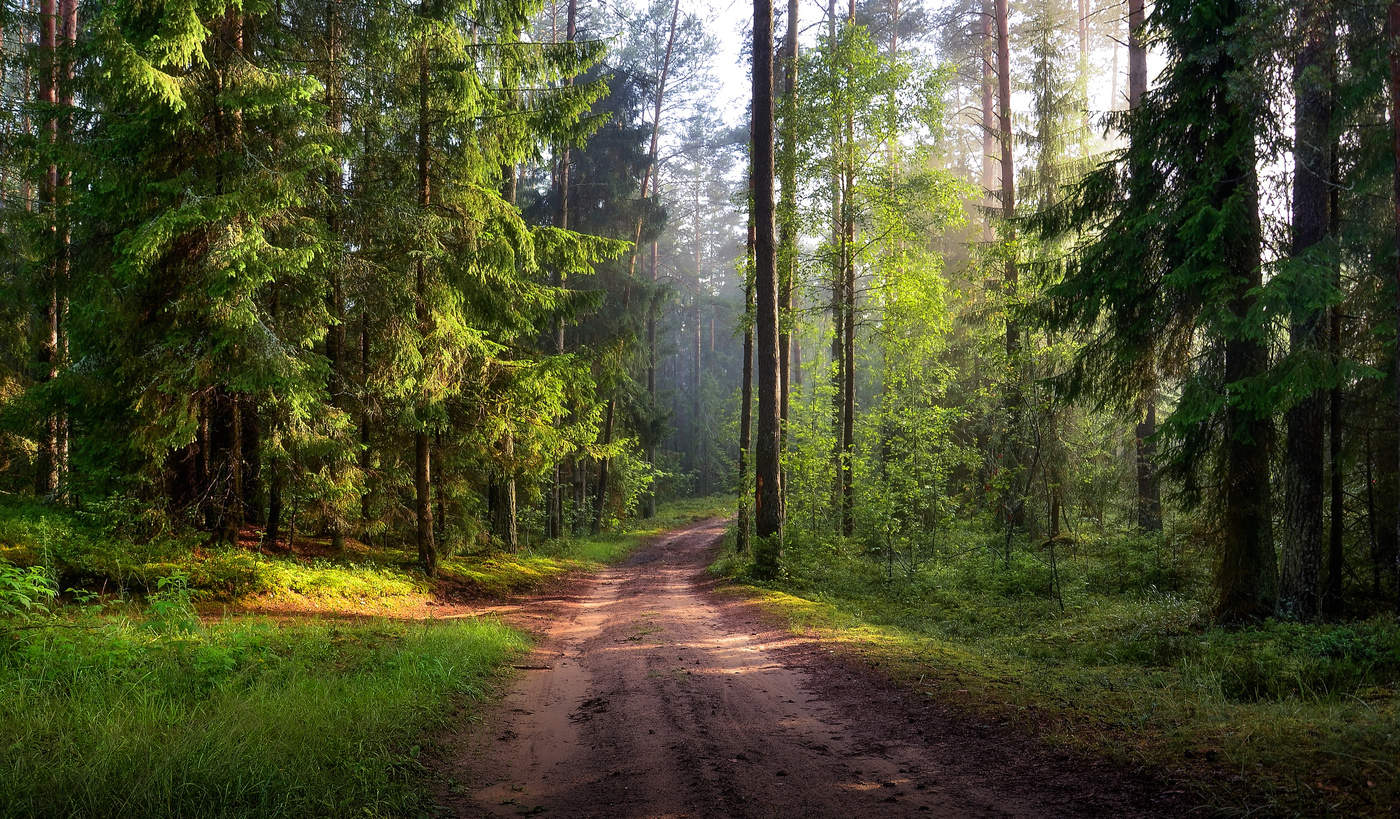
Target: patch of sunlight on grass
[{"x": 247, "y": 717}]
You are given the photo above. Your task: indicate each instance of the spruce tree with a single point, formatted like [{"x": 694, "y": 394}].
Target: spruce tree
[{"x": 1169, "y": 263}]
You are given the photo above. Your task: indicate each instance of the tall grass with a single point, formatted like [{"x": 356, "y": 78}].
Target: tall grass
[{"x": 238, "y": 719}]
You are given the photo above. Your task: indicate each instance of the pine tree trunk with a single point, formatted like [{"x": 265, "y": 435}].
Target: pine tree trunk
[
  {"x": 556, "y": 489},
  {"x": 1299, "y": 589},
  {"x": 768, "y": 509},
  {"x": 365, "y": 451},
  {"x": 1332, "y": 593},
  {"x": 600, "y": 497},
  {"x": 838, "y": 283},
  {"x": 848, "y": 317},
  {"x": 273, "y": 531},
  {"x": 48, "y": 476},
  {"x": 746, "y": 390},
  {"x": 787, "y": 226},
  {"x": 422, "y": 466},
  {"x": 1149, "y": 489},
  {"x": 1014, "y": 503},
  {"x": 1246, "y": 578},
  {"x": 1393, "y": 17},
  {"x": 335, "y": 333},
  {"x": 990, "y": 140}
]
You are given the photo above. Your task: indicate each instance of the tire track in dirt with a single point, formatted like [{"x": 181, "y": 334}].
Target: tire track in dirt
[{"x": 652, "y": 697}]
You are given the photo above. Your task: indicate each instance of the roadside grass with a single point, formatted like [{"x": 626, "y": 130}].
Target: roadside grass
[
  {"x": 88, "y": 552},
  {"x": 170, "y": 717},
  {"x": 1274, "y": 718}
]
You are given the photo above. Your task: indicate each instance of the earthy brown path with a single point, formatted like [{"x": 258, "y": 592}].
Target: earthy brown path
[{"x": 650, "y": 696}]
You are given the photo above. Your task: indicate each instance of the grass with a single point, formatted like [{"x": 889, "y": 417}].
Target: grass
[
  {"x": 169, "y": 717},
  {"x": 85, "y": 551},
  {"x": 1279, "y": 717},
  {"x": 133, "y": 705}
]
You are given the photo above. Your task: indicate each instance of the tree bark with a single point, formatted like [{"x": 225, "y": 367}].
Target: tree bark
[
  {"x": 1246, "y": 580},
  {"x": 1014, "y": 502},
  {"x": 422, "y": 466},
  {"x": 556, "y": 489},
  {"x": 990, "y": 140},
  {"x": 768, "y": 509},
  {"x": 1149, "y": 488},
  {"x": 335, "y": 334},
  {"x": 49, "y": 464},
  {"x": 746, "y": 389},
  {"x": 1332, "y": 593},
  {"x": 1299, "y": 589},
  {"x": 848, "y": 316},
  {"x": 787, "y": 222},
  {"x": 1393, "y": 17},
  {"x": 838, "y": 283}
]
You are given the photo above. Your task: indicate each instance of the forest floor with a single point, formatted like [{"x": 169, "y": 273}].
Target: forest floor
[{"x": 650, "y": 694}]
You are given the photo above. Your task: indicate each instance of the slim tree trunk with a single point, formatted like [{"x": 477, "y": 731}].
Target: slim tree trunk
[
  {"x": 746, "y": 389},
  {"x": 48, "y": 477},
  {"x": 556, "y": 489},
  {"x": 1332, "y": 593},
  {"x": 1299, "y": 589},
  {"x": 1393, "y": 17},
  {"x": 990, "y": 141},
  {"x": 838, "y": 282},
  {"x": 1149, "y": 491},
  {"x": 335, "y": 335},
  {"x": 787, "y": 221},
  {"x": 422, "y": 457},
  {"x": 848, "y": 317},
  {"x": 768, "y": 508},
  {"x": 1014, "y": 502}
]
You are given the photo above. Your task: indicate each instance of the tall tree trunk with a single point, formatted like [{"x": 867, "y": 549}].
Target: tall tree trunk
[
  {"x": 1299, "y": 589},
  {"x": 848, "y": 317},
  {"x": 1247, "y": 575},
  {"x": 335, "y": 335},
  {"x": 48, "y": 476},
  {"x": 990, "y": 141},
  {"x": 600, "y": 497},
  {"x": 1149, "y": 488},
  {"x": 1332, "y": 593},
  {"x": 365, "y": 452},
  {"x": 1014, "y": 502},
  {"x": 787, "y": 224},
  {"x": 768, "y": 502},
  {"x": 556, "y": 489},
  {"x": 422, "y": 457},
  {"x": 1393, "y": 17},
  {"x": 838, "y": 283},
  {"x": 746, "y": 388}
]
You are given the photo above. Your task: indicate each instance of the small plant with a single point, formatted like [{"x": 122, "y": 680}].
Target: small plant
[
  {"x": 171, "y": 611},
  {"x": 25, "y": 594}
]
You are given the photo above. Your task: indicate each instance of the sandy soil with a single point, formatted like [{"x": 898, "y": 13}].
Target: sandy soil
[{"x": 648, "y": 695}]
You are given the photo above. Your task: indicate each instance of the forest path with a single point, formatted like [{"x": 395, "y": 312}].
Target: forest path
[{"x": 649, "y": 695}]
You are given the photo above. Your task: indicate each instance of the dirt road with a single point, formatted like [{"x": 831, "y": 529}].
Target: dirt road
[{"x": 651, "y": 696}]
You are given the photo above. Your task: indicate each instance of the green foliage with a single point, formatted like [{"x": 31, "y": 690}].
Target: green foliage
[
  {"x": 240, "y": 719},
  {"x": 25, "y": 593}
]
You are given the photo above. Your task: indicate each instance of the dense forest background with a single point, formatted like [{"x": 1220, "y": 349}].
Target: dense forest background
[{"x": 470, "y": 277}]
